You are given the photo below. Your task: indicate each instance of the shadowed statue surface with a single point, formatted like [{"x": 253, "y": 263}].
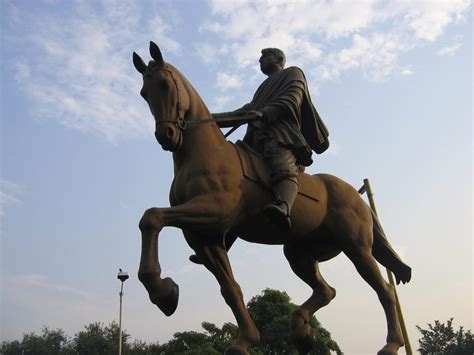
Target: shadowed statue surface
[{"x": 220, "y": 191}]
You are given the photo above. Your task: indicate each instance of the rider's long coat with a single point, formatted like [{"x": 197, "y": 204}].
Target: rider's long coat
[{"x": 285, "y": 100}]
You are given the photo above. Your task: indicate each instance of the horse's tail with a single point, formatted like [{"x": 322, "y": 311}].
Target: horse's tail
[{"x": 384, "y": 253}]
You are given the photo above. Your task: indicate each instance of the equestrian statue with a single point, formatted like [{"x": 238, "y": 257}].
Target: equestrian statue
[{"x": 257, "y": 190}]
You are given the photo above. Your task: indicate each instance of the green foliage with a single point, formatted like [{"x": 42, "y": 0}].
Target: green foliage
[
  {"x": 49, "y": 342},
  {"x": 97, "y": 339},
  {"x": 10, "y": 347},
  {"x": 271, "y": 313},
  {"x": 221, "y": 338},
  {"x": 213, "y": 342},
  {"x": 186, "y": 343},
  {"x": 442, "y": 339}
]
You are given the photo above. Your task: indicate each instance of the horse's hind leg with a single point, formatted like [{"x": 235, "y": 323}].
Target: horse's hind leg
[
  {"x": 362, "y": 258},
  {"x": 305, "y": 266}
]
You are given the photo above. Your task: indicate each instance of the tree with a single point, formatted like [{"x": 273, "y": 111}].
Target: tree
[
  {"x": 138, "y": 347},
  {"x": 48, "y": 342},
  {"x": 271, "y": 313},
  {"x": 213, "y": 341},
  {"x": 99, "y": 339},
  {"x": 190, "y": 342},
  {"x": 221, "y": 338},
  {"x": 442, "y": 339},
  {"x": 10, "y": 347}
]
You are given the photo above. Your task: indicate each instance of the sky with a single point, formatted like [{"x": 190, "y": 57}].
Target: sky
[{"x": 80, "y": 164}]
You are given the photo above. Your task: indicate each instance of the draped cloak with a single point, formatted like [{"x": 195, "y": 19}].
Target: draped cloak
[{"x": 291, "y": 118}]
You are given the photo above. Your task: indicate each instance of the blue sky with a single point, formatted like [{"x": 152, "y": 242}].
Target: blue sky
[{"x": 79, "y": 163}]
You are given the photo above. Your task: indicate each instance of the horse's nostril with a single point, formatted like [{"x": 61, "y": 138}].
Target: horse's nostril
[{"x": 169, "y": 133}]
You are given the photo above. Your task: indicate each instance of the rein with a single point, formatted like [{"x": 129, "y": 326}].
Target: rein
[
  {"x": 238, "y": 121},
  {"x": 235, "y": 119}
]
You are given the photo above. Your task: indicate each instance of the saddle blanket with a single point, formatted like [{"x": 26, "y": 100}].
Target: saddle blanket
[{"x": 255, "y": 169}]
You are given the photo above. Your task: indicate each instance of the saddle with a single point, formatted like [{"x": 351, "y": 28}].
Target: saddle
[{"x": 255, "y": 169}]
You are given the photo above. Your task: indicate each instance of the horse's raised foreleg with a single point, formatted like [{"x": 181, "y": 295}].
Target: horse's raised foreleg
[
  {"x": 203, "y": 213},
  {"x": 162, "y": 292},
  {"x": 305, "y": 266}
]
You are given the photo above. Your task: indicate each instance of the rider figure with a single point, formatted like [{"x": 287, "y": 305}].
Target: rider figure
[{"x": 290, "y": 129}]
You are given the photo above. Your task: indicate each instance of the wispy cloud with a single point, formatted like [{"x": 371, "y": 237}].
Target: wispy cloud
[
  {"x": 222, "y": 103},
  {"x": 77, "y": 67},
  {"x": 429, "y": 19},
  {"x": 207, "y": 52},
  {"x": 227, "y": 81},
  {"x": 449, "y": 50},
  {"x": 368, "y": 36},
  {"x": 34, "y": 300},
  {"x": 41, "y": 281},
  {"x": 406, "y": 71},
  {"x": 376, "y": 56},
  {"x": 9, "y": 195}
]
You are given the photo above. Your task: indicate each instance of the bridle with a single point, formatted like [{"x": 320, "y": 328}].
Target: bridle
[{"x": 179, "y": 121}]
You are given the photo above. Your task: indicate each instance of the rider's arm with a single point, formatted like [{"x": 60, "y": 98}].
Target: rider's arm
[
  {"x": 246, "y": 107},
  {"x": 244, "y": 111}
]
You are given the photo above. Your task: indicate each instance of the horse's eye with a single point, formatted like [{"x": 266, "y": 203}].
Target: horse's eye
[{"x": 164, "y": 84}]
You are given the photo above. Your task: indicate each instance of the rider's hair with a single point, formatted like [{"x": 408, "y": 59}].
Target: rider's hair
[{"x": 278, "y": 53}]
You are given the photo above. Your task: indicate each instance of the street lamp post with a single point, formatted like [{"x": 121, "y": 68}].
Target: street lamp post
[{"x": 122, "y": 276}]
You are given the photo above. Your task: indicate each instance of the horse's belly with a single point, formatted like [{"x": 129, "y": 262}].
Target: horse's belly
[
  {"x": 305, "y": 219},
  {"x": 308, "y": 214}
]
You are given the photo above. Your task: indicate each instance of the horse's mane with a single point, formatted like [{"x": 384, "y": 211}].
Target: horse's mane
[{"x": 192, "y": 92}]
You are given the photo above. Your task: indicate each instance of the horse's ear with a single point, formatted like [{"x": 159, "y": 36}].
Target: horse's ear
[
  {"x": 138, "y": 63},
  {"x": 156, "y": 54}
]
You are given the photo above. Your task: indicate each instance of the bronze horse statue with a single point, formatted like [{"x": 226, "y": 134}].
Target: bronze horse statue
[{"x": 212, "y": 197}]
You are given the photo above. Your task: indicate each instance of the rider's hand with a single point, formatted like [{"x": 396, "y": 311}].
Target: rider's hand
[{"x": 258, "y": 114}]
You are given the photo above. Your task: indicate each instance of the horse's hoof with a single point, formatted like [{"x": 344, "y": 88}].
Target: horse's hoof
[
  {"x": 389, "y": 349},
  {"x": 301, "y": 334},
  {"x": 195, "y": 259},
  {"x": 235, "y": 350},
  {"x": 304, "y": 340},
  {"x": 167, "y": 302}
]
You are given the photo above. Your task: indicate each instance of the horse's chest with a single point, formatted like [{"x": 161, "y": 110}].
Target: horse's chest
[{"x": 195, "y": 180}]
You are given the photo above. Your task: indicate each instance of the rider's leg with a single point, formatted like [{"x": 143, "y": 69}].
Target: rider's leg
[
  {"x": 284, "y": 178},
  {"x": 279, "y": 210}
]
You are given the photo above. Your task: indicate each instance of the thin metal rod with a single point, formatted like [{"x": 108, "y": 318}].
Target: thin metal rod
[
  {"x": 120, "y": 322},
  {"x": 370, "y": 195}
]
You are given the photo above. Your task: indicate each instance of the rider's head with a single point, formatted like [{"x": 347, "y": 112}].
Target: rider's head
[{"x": 272, "y": 60}]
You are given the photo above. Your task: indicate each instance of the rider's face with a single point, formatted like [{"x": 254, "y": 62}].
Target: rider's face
[{"x": 268, "y": 62}]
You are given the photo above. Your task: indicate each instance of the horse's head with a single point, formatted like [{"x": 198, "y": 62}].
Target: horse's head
[{"x": 166, "y": 96}]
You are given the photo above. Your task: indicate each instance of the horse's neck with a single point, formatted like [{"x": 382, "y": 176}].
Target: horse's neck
[{"x": 198, "y": 138}]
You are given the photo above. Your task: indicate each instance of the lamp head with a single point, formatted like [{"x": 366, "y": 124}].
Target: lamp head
[{"x": 122, "y": 276}]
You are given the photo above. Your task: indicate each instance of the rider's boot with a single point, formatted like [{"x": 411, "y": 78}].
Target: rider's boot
[{"x": 278, "y": 211}]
